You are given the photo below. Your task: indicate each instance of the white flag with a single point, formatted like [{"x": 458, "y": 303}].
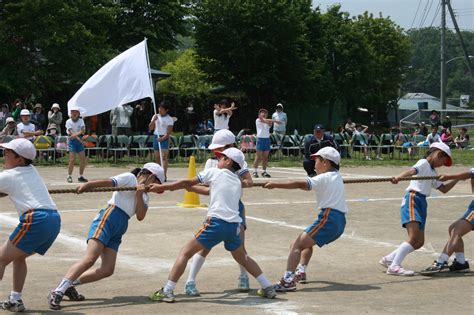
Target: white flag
[{"x": 122, "y": 80}]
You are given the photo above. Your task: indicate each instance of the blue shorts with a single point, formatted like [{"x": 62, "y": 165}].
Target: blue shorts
[
  {"x": 469, "y": 214},
  {"x": 163, "y": 144},
  {"x": 263, "y": 144},
  {"x": 242, "y": 214},
  {"x": 328, "y": 227},
  {"x": 216, "y": 230},
  {"x": 109, "y": 226},
  {"x": 37, "y": 230},
  {"x": 75, "y": 146},
  {"x": 413, "y": 209}
]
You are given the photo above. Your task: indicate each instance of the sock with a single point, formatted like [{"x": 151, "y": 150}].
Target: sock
[
  {"x": 80, "y": 175},
  {"x": 263, "y": 281},
  {"x": 63, "y": 285},
  {"x": 301, "y": 268},
  {"x": 76, "y": 282},
  {"x": 243, "y": 271},
  {"x": 196, "y": 265},
  {"x": 15, "y": 296},
  {"x": 391, "y": 256},
  {"x": 403, "y": 250},
  {"x": 256, "y": 169},
  {"x": 443, "y": 258},
  {"x": 460, "y": 258},
  {"x": 169, "y": 286},
  {"x": 288, "y": 276}
]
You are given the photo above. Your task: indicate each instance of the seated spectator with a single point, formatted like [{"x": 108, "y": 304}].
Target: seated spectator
[
  {"x": 38, "y": 118},
  {"x": 9, "y": 129},
  {"x": 318, "y": 141},
  {"x": 345, "y": 142},
  {"x": 433, "y": 136},
  {"x": 25, "y": 128},
  {"x": 423, "y": 129},
  {"x": 4, "y": 114},
  {"x": 55, "y": 117},
  {"x": 359, "y": 138},
  {"x": 403, "y": 141},
  {"x": 52, "y": 132},
  {"x": 434, "y": 118},
  {"x": 417, "y": 130},
  {"x": 447, "y": 123},
  {"x": 462, "y": 141},
  {"x": 205, "y": 127},
  {"x": 350, "y": 126},
  {"x": 447, "y": 138}
]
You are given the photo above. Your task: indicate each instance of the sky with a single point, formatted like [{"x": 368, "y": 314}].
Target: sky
[{"x": 409, "y": 13}]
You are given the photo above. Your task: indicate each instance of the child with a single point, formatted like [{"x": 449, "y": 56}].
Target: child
[
  {"x": 222, "y": 114},
  {"x": 75, "y": 128},
  {"x": 331, "y": 221},
  {"x": 223, "y": 139},
  {"x": 162, "y": 124},
  {"x": 9, "y": 130},
  {"x": 26, "y": 129},
  {"x": 263, "y": 141},
  {"x": 462, "y": 140},
  {"x": 223, "y": 222},
  {"x": 360, "y": 136},
  {"x": 39, "y": 219},
  {"x": 433, "y": 136},
  {"x": 107, "y": 229},
  {"x": 413, "y": 208},
  {"x": 457, "y": 230}
]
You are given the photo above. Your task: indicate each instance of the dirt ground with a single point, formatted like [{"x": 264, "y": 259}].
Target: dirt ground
[{"x": 344, "y": 277}]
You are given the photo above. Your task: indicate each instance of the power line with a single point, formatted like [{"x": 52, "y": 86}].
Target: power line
[
  {"x": 427, "y": 13},
  {"x": 436, "y": 14},
  {"x": 423, "y": 14},
  {"x": 416, "y": 13}
]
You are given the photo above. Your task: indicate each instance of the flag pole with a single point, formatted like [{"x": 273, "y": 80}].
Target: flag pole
[{"x": 152, "y": 94}]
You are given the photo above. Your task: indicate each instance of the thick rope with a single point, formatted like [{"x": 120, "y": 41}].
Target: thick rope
[{"x": 91, "y": 190}]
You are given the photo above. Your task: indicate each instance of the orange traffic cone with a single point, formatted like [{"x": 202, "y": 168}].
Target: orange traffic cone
[{"x": 191, "y": 199}]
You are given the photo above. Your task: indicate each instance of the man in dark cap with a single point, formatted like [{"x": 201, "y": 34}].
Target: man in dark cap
[{"x": 318, "y": 141}]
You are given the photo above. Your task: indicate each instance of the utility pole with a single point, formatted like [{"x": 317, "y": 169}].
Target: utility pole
[{"x": 443, "y": 54}]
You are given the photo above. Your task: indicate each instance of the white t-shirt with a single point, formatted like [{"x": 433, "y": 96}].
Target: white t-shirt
[
  {"x": 330, "y": 191},
  {"x": 279, "y": 116},
  {"x": 263, "y": 129},
  {"x": 225, "y": 190},
  {"x": 212, "y": 163},
  {"x": 21, "y": 127},
  {"x": 222, "y": 121},
  {"x": 126, "y": 200},
  {"x": 162, "y": 124},
  {"x": 26, "y": 189},
  {"x": 431, "y": 139},
  {"x": 423, "y": 168},
  {"x": 74, "y": 126}
]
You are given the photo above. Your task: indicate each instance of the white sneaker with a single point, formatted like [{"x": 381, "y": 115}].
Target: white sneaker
[
  {"x": 368, "y": 158},
  {"x": 385, "y": 262},
  {"x": 399, "y": 271},
  {"x": 378, "y": 158}
]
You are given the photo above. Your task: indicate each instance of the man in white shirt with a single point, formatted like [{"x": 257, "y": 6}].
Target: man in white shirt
[
  {"x": 122, "y": 115},
  {"x": 279, "y": 116}
]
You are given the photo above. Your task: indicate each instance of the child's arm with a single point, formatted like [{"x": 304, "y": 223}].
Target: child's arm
[
  {"x": 246, "y": 180},
  {"x": 447, "y": 187},
  {"x": 407, "y": 173},
  {"x": 202, "y": 190},
  {"x": 93, "y": 184},
  {"x": 151, "y": 125},
  {"x": 185, "y": 183},
  {"x": 141, "y": 208},
  {"x": 297, "y": 184},
  {"x": 458, "y": 176}
]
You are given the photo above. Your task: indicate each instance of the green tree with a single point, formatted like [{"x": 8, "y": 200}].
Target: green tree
[{"x": 186, "y": 78}]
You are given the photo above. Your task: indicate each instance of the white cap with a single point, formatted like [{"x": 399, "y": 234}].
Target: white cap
[
  {"x": 74, "y": 108},
  {"x": 9, "y": 119},
  {"x": 328, "y": 153},
  {"x": 235, "y": 155},
  {"x": 22, "y": 147},
  {"x": 280, "y": 105},
  {"x": 222, "y": 138},
  {"x": 157, "y": 170},
  {"x": 55, "y": 105},
  {"x": 25, "y": 112},
  {"x": 443, "y": 147}
]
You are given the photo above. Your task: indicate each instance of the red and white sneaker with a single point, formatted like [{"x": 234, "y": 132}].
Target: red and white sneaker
[
  {"x": 399, "y": 271},
  {"x": 284, "y": 286},
  {"x": 385, "y": 262},
  {"x": 300, "y": 276}
]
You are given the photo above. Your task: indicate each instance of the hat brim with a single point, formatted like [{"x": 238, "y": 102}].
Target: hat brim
[
  {"x": 6, "y": 146},
  {"x": 213, "y": 146}
]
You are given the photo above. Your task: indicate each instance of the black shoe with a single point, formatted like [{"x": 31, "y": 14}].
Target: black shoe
[
  {"x": 54, "y": 300},
  {"x": 265, "y": 174},
  {"x": 436, "y": 268},
  {"x": 17, "y": 306},
  {"x": 458, "y": 267},
  {"x": 82, "y": 179},
  {"x": 255, "y": 174},
  {"x": 73, "y": 295}
]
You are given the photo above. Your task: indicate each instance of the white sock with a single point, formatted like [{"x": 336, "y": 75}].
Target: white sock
[
  {"x": 263, "y": 281},
  {"x": 403, "y": 250},
  {"x": 80, "y": 175},
  {"x": 196, "y": 265},
  {"x": 391, "y": 256},
  {"x": 256, "y": 169},
  {"x": 289, "y": 275},
  {"x": 169, "y": 286},
  {"x": 15, "y": 296},
  {"x": 63, "y": 285},
  {"x": 243, "y": 271},
  {"x": 301, "y": 268},
  {"x": 76, "y": 282},
  {"x": 443, "y": 258},
  {"x": 460, "y": 258}
]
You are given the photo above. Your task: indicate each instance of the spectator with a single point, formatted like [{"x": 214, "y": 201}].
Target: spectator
[
  {"x": 434, "y": 118},
  {"x": 141, "y": 118},
  {"x": 350, "y": 126},
  {"x": 462, "y": 141},
  {"x": 75, "y": 129},
  {"x": 417, "y": 130},
  {"x": 402, "y": 141},
  {"x": 280, "y": 118},
  {"x": 123, "y": 114},
  {"x": 344, "y": 142},
  {"x": 447, "y": 123},
  {"x": 190, "y": 120},
  {"x": 447, "y": 138},
  {"x": 318, "y": 141},
  {"x": 162, "y": 124},
  {"x": 38, "y": 118},
  {"x": 55, "y": 117},
  {"x": 263, "y": 142},
  {"x": 9, "y": 129},
  {"x": 205, "y": 127},
  {"x": 361, "y": 138},
  {"x": 4, "y": 114},
  {"x": 18, "y": 105},
  {"x": 222, "y": 114},
  {"x": 52, "y": 132},
  {"x": 113, "y": 122},
  {"x": 433, "y": 136},
  {"x": 25, "y": 128},
  {"x": 423, "y": 129}
]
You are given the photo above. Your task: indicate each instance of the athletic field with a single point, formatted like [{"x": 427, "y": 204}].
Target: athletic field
[{"x": 344, "y": 277}]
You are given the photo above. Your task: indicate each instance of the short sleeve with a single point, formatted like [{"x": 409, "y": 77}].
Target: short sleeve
[
  {"x": 315, "y": 182},
  {"x": 124, "y": 180},
  {"x": 170, "y": 121},
  {"x": 82, "y": 124},
  {"x": 68, "y": 125},
  {"x": 205, "y": 177},
  {"x": 210, "y": 163},
  {"x": 418, "y": 166},
  {"x": 5, "y": 182}
]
